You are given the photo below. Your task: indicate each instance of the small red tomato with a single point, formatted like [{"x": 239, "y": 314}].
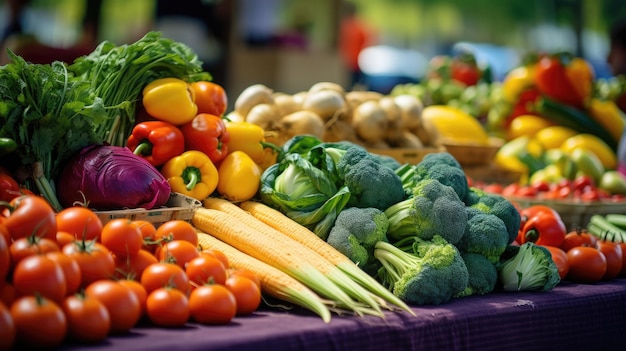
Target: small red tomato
[
  {"x": 88, "y": 319},
  {"x": 31, "y": 215},
  {"x": 212, "y": 304},
  {"x": 247, "y": 293},
  {"x": 560, "y": 260},
  {"x": 167, "y": 307},
  {"x": 120, "y": 301},
  {"x": 586, "y": 264},
  {"x": 40, "y": 323},
  {"x": 614, "y": 258}
]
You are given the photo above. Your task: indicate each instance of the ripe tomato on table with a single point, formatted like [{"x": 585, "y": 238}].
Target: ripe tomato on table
[
  {"x": 587, "y": 264},
  {"x": 80, "y": 221},
  {"x": 212, "y": 304},
  {"x": 559, "y": 256},
  {"x": 247, "y": 293},
  {"x": 614, "y": 258},
  {"x": 576, "y": 238},
  {"x": 168, "y": 307},
  {"x": 39, "y": 322},
  {"x": 88, "y": 319},
  {"x": 39, "y": 275},
  {"x": 120, "y": 301},
  {"x": 95, "y": 260}
]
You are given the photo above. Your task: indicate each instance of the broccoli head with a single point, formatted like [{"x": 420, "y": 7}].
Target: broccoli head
[
  {"x": 485, "y": 234},
  {"x": 528, "y": 267},
  {"x": 443, "y": 167},
  {"x": 434, "y": 208},
  {"x": 371, "y": 183},
  {"x": 433, "y": 273},
  {"x": 483, "y": 275},
  {"x": 498, "y": 205},
  {"x": 355, "y": 233}
]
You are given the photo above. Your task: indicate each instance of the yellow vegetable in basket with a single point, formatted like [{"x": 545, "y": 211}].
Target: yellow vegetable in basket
[
  {"x": 594, "y": 144},
  {"x": 456, "y": 126}
]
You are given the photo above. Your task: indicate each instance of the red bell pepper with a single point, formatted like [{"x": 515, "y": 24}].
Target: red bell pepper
[
  {"x": 565, "y": 78},
  {"x": 207, "y": 133},
  {"x": 9, "y": 188},
  {"x": 156, "y": 141},
  {"x": 542, "y": 226}
]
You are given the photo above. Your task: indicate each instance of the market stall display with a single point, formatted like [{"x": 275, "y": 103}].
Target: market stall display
[{"x": 194, "y": 219}]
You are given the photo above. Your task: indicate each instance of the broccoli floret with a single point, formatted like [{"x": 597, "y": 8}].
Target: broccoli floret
[
  {"x": 529, "y": 268},
  {"x": 498, "y": 205},
  {"x": 483, "y": 275},
  {"x": 443, "y": 167},
  {"x": 485, "y": 234},
  {"x": 434, "y": 208},
  {"x": 430, "y": 275},
  {"x": 371, "y": 183},
  {"x": 355, "y": 233}
]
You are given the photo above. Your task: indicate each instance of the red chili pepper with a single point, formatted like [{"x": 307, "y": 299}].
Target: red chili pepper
[
  {"x": 156, "y": 141},
  {"x": 207, "y": 133},
  {"x": 544, "y": 229}
]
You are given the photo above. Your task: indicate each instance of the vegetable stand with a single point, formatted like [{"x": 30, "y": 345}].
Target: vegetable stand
[{"x": 570, "y": 317}]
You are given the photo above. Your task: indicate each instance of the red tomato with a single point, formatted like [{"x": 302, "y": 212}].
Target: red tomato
[
  {"x": 39, "y": 322},
  {"x": 205, "y": 269},
  {"x": 586, "y": 264},
  {"x": 178, "y": 251},
  {"x": 217, "y": 254},
  {"x": 64, "y": 238},
  {"x": 120, "y": 301},
  {"x": 560, "y": 259},
  {"x": 177, "y": 230},
  {"x": 94, "y": 259},
  {"x": 40, "y": 275},
  {"x": 88, "y": 320},
  {"x": 212, "y": 304},
  {"x": 578, "y": 238},
  {"x": 148, "y": 230},
  {"x": 7, "y": 328},
  {"x": 247, "y": 293},
  {"x": 614, "y": 258},
  {"x": 79, "y": 221},
  {"x": 210, "y": 97},
  {"x": 71, "y": 270},
  {"x": 5, "y": 259},
  {"x": 162, "y": 274},
  {"x": 132, "y": 267},
  {"x": 246, "y": 273},
  {"x": 138, "y": 290},
  {"x": 4, "y": 232},
  {"x": 122, "y": 237},
  {"x": 167, "y": 307},
  {"x": 31, "y": 215},
  {"x": 31, "y": 245}
]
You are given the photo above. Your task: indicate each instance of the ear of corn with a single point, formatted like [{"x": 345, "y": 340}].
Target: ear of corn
[
  {"x": 328, "y": 269},
  {"x": 281, "y": 252},
  {"x": 274, "y": 282},
  {"x": 294, "y": 230}
]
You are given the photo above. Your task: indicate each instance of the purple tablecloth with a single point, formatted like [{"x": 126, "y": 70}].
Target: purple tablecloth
[{"x": 570, "y": 317}]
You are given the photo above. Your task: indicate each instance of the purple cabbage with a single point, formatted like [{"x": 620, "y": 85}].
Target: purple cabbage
[{"x": 110, "y": 178}]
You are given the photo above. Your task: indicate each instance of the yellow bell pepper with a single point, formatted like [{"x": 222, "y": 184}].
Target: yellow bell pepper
[
  {"x": 192, "y": 173},
  {"x": 609, "y": 115},
  {"x": 526, "y": 125},
  {"x": 517, "y": 80},
  {"x": 249, "y": 138},
  {"x": 171, "y": 100},
  {"x": 239, "y": 177}
]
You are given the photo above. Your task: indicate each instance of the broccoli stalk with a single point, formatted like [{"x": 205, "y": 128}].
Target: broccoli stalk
[
  {"x": 434, "y": 208},
  {"x": 530, "y": 268},
  {"x": 430, "y": 275}
]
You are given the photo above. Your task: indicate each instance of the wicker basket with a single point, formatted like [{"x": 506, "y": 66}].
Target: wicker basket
[
  {"x": 576, "y": 214},
  {"x": 474, "y": 155},
  {"x": 402, "y": 155},
  {"x": 178, "y": 206}
]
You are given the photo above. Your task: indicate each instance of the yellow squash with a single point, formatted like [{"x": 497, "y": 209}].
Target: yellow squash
[{"x": 456, "y": 126}]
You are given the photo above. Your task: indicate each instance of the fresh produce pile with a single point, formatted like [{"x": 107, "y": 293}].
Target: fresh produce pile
[{"x": 295, "y": 205}]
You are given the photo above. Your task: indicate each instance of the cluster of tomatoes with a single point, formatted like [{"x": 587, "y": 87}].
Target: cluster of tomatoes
[
  {"x": 579, "y": 256},
  {"x": 68, "y": 276}
]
